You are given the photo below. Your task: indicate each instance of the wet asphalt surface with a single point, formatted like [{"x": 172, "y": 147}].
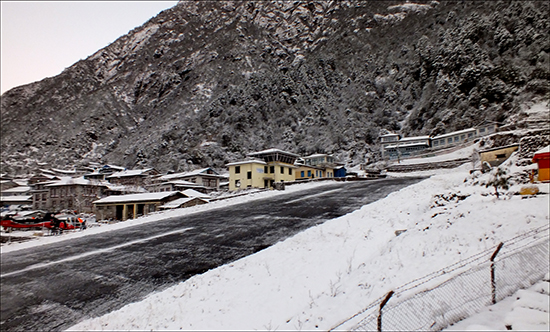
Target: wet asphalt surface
[{"x": 53, "y": 287}]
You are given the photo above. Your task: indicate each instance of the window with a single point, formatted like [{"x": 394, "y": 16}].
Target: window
[
  {"x": 237, "y": 169},
  {"x": 462, "y": 137},
  {"x": 282, "y": 170},
  {"x": 470, "y": 135},
  {"x": 289, "y": 171},
  {"x": 482, "y": 130},
  {"x": 302, "y": 174},
  {"x": 308, "y": 173},
  {"x": 265, "y": 169},
  {"x": 456, "y": 138},
  {"x": 249, "y": 175},
  {"x": 502, "y": 155},
  {"x": 449, "y": 140},
  {"x": 272, "y": 169},
  {"x": 237, "y": 183},
  {"x": 436, "y": 143}
]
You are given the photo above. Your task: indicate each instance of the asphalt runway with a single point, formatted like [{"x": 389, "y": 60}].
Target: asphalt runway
[{"x": 53, "y": 287}]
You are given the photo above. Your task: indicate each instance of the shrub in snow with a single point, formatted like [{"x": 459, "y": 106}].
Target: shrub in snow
[{"x": 499, "y": 179}]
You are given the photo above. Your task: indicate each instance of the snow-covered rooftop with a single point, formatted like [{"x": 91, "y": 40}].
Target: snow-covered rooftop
[
  {"x": 68, "y": 181},
  {"x": 175, "y": 203},
  {"x": 194, "y": 193},
  {"x": 20, "y": 189},
  {"x": 201, "y": 171},
  {"x": 406, "y": 139},
  {"x": 464, "y": 131},
  {"x": 273, "y": 150},
  {"x": 47, "y": 171},
  {"x": 137, "y": 197},
  {"x": 543, "y": 150},
  {"x": 406, "y": 144},
  {"x": 132, "y": 172},
  {"x": 317, "y": 155},
  {"x": 62, "y": 171},
  {"x": 124, "y": 188},
  {"x": 184, "y": 183},
  {"x": 15, "y": 198},
  {"x": 255, "y": 161}
]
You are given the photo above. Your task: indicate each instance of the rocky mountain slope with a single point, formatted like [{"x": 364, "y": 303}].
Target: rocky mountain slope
[{"x": 206, "y": 82}]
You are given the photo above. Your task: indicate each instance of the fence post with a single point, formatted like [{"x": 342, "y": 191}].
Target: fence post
[
  {"x": 382, "y": 304},
  {"x": 493, "y": 282}
]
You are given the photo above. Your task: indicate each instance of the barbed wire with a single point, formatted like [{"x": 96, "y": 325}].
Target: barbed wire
[{"x": 467, "y": 287}]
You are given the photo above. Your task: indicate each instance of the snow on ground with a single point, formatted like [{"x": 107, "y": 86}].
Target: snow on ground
[
  {"x": 329, "y": 272},
  {"x": 526, "y": 310}
]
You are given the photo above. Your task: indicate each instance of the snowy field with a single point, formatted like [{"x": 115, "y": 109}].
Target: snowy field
[
  {"x": 317, "y": 278},
  {"x": 526, "y": 310}
]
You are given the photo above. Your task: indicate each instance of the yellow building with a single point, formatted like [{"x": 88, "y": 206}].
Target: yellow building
[
  {"x": 313, "y": 172},
  {"x": 498, "y": 155},
  {"x": 267, "y": 167},
  {"x": 315, "y": 166},
  {"x": 247, "y": 174}
]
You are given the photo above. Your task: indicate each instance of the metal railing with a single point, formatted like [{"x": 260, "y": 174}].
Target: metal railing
[{"x": 442, "y": 298}]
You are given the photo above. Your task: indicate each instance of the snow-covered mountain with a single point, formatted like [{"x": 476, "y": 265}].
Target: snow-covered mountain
[{"x": 206, "y": 82}]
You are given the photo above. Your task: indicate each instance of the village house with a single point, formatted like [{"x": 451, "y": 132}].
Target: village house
[
  {"x": 313, "y": 172},
  {"x": 497, "y": 155},
  {"x": 135, "y": 177},
  {"x": 124, "y": 207},
  {"x": 324, "y": 162},
  {"x": 248, "y": 174},
  {"x": 18, "y": 200},
  {"x": 40, "y": 195},
  {"x": 70, "y": 194},
  {"x": 388, "y": 139},
  {"x": 204, "y": 179},
  {"x": 192, "y": 198},
  {"x": 100, "y": 173},
  {"x": 183, "y": 203},
  {"x": 542, "y": 158},
  {"x": 407, "y": 146},
  {"x": 176, "y": 185},
  {"x": 112, "y": 189},
  {"x": 340, "y": 172},
  {"x": 6, "y": 183},
  {"x": 454, "y": 138},
  {"x": 94, "y": 176},
  {"x": 44, "y": 177},
  {"x": 394, "y": 147},
  {"x": 16, "y": 191},
  {"x": 266, "y": 168}
]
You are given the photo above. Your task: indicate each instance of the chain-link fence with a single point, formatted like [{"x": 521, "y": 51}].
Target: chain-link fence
[{"x": 449, "y": 295}]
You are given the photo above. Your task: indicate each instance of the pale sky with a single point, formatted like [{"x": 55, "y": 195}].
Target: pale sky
[{"x": 42, "y": 38}]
